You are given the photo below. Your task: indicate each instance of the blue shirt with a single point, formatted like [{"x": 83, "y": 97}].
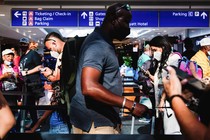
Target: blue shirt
[{"x": 97, "y": 52}]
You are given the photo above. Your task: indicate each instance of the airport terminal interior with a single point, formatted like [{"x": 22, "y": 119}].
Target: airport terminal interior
[{"x": 34, "y": 19}]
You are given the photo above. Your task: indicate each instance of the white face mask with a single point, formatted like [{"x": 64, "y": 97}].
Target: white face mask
[
  {"x": 8, "y": 63},
  {"x": 208, "y": 53},
  {"x": 157, "y": 55},
  {"x": 54, "y": 54}
]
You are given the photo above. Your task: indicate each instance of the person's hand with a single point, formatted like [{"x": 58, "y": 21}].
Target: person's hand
[
  {"x": 171, "y": 83},
  {"x": 16, "y": 74},
  {"x": 8, "y": 75},
  {"x": 161, "y": 105},
  {"x": 24, "y": 72},
  {"x": 48, "y": 86},
  {"x": 139, "y": 110},
  {"x": 47, "y": 71}
]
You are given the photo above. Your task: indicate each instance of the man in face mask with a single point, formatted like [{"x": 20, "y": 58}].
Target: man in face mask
[
  {"x": 201, "y": 58},
  {"x": 30, "y": 63},
  {"x": 98, "y": 81},
  {"x": 55, "y": 43}
]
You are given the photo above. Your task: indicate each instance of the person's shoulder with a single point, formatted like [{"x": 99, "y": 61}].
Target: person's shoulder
[{"x": 176, "y": 55}]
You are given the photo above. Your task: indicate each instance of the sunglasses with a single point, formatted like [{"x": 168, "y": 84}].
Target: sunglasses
[{"x": 125, "y": 6}]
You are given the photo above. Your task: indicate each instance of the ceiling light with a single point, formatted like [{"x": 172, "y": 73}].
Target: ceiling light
[
  {"x": 143, "y": 33},
  {"x": 2, "y": 15}
]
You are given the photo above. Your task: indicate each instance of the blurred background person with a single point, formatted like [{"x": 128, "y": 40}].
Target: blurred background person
[
  {"x": 144, "y": 63},
  {"x": 189, "y": 52},
  {"x": 9, "y": 76},
  {"x": 30, "y": 64},
  {"x": 58, "y": 119},
  {"x": 201, "y": 58},
  {"x": 11, "y": 80},
  {"x": 16, "y": 59}
]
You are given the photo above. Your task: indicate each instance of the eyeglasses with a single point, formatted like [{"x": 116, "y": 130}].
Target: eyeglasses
[{"x": 125, "y": 6}]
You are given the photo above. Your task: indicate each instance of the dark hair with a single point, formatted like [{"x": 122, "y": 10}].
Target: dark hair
[
  {"x": 162, "y": 42},
  {"x": 54, "y": 34},
  {"x": 188, "y": 43}
]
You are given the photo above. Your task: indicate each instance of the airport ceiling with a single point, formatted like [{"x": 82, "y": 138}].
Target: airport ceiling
[{"x": 8, "y": 33}]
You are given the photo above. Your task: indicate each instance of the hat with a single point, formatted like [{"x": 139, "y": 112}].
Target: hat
[
  {"x": 24, "y": 40},
  {"x": 7, "y": 51},
  {"x": 205, "y": 41}
]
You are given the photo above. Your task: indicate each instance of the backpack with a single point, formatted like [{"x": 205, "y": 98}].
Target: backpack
[
  {"x": 70, "y": 59},
  {"x": 184, "y": 65}
]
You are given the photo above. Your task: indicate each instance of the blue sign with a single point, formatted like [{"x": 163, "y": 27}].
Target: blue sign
[
  {"x": 144, "y": 19},
  {"x": 44, "y": 18},
  {"x": 91, "y": 18},
  {"x": 184, "y": 19}
]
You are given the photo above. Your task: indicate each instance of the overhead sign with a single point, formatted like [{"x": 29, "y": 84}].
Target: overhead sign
[
  {"x": 44, "y": 18},
  {"x": 183, "y": 19},
  {"x": 91, "y": 18},
  {"x": 144, "y": 19}
]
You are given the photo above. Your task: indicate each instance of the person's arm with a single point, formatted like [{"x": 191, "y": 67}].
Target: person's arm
[
  {"x": 7, "y": 120},
  {"x": 52, "y": 75},
  {"x": 46, "y": 114},
  {"x": 162, "y": 102},
  {"x": 193, "y": 70},
  {"x": 31, "y": 71},
  {"x": 92, "y": 88},
  {"x": 190, "y": 126},
  {"x": 5, "y": 75}
]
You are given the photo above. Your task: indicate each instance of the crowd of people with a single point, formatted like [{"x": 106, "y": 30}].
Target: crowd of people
[{"x": 98, "y": 88}]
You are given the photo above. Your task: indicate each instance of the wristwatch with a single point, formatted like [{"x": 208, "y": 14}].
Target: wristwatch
[{"x": 27, "y": 72}]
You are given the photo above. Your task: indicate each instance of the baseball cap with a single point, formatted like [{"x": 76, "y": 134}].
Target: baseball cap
[
  {"x": 205, "y": 41},
  {"x": 7, "y": 51},
  {"x": 24, "y": 40}
]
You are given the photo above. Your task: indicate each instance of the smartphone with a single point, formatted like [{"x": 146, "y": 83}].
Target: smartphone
[{"x": 193, "y": 84}]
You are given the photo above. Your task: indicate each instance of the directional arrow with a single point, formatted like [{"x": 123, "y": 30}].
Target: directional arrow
[
  {"x": 84, "y": 15},
  {"x": 17, "y": 14},
  {"x": 204, "y": 15}
]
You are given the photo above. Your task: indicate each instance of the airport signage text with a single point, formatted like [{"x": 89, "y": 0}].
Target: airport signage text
[
  {"x": 93, "y": 18},
  {"x": 183, "y": 19}
]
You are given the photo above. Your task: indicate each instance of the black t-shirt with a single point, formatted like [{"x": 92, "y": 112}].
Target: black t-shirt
[{"x": 28, "y": 62}]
